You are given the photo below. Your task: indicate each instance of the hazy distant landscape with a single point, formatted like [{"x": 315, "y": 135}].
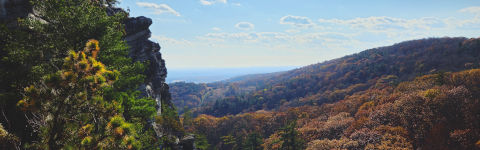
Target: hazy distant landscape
[{"x": 207, "y": 75}]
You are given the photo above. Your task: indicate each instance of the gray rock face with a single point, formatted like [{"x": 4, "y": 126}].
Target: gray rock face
[{"x": 142, "y": 49}]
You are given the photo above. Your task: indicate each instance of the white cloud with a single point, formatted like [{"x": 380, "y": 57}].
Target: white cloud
[
  {"x": 211, "y": 2},
  {"x": 341, "y": 35},
  {"x": 259, "y": 38},
  {"x": 473, "y": 10},
  {"x": 298, "y": 21},
  {"x": 171, "y": 42},
  {"x": 384, "y": 23},
  {"x": 471, "y": 23},
  {"x": 223, "y": 37},
  {"x": 280, "y": 39},
  {"x": 292, "y": 31},
  {"x": 216, "y": 29},
  {"x": 245, "y": 26},
  {"x": 159, "y": 8},
  {"x": 170, "y": 20}
]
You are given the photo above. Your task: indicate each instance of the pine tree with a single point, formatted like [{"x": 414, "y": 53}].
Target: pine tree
[
  {"x": 70, "y": 109},
  {"x": 201, "y": 142},
  {"x": 253, "y": 142},
  {"x": 290, "y": 139},
  {"x": 37, "y": 48}
]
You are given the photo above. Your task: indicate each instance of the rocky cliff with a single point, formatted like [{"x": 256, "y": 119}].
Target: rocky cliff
[{"x": 142, "y": 49}]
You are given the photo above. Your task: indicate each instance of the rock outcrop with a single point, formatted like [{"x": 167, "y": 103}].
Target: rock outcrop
[{"x": 142, "y": 49}]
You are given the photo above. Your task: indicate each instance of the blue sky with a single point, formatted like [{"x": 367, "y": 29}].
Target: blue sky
[{"x": 259, "y": 33}]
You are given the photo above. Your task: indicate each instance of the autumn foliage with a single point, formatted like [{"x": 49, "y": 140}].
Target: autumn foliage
[{"x": 437, "y": 111}]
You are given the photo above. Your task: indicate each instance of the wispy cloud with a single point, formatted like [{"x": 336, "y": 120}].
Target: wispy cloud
[
  {"x": 471, "y": 23},
  {"x": 168, "y": 42},
  {"x": 338, "y": 34},
  {"x": 278, "y": 38},
  {"x": 245, "y": 26},
  {"x": 473, "y": 10},
  {"x": 292, "y": 31},
  {"x": 385, "y": 23},
  {"x": 211, "y": 2},
  {"x": 216, "y": 29},
  {"x": 298, "y": 21},
  {"x": 229, "y": 37},
  {"x": 159, "y": 8}
]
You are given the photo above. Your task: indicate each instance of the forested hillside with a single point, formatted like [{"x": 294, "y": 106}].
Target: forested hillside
[
  {"x": 437, "y": 111},
  {"x": 332, "y": 80},
  {"x": 415, "y": 94}
]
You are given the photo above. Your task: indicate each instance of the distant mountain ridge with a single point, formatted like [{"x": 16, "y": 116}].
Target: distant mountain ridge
[{"x": 209, "y": 75}]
